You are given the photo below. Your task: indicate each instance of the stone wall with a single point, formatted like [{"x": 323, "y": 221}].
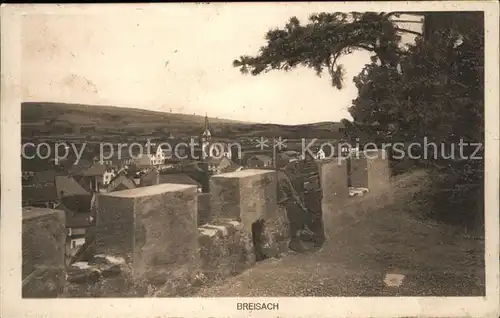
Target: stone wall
[
  {"x": 43, "y": 250},
  {"x": 162, "y": 240}
]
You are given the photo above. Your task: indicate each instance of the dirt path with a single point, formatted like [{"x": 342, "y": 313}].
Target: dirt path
[{"x": 368, "y": 241}]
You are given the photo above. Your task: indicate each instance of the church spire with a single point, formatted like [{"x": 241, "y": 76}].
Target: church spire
[{"x": 206, "y": 123}]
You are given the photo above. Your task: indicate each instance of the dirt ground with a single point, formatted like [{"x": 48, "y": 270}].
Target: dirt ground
[{"x": 368, "y": 239}]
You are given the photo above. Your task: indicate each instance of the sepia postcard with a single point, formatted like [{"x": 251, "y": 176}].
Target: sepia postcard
[{"x": 286, "y": 159}]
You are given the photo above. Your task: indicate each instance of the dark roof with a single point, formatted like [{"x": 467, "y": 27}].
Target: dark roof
[
  {"x": 214, "y": 161},
  {"x": 77, "y": 203},
  {"x": 120, "y": 180},
  {"x": 36, "y": 164},
  {"x": 178, "y": 178},
  {"x": 69, "y": 186},
  {"x": 40, "y": 188},
  {"x": 150, "y": 173},
  {"x": 79, "y": 220},
  {"x": 231, "y": 168},
  {"x": 291, "y": 153},
  {"x": 84, "y": 182},
  {"x": 85, "y": 169},
  {"x": 262, "y": 158}
]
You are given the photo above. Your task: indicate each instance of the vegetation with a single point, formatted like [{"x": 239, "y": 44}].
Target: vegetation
[
  {"x": 107, "y": 123},
  {"x": 431, "y": 88}
]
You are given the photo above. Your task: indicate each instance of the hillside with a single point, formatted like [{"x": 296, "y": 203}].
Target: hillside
[{"x": 78, "y": 120}]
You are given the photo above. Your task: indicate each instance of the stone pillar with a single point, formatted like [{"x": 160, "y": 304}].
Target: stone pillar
[
  {"x": 334, "y": 182},
  {"x": 204, "y": 210},
  {"x": 249, "y": 196},
  {"x": 379, "y": 175},
  {"x": 359, "y": 172},
  {"x": 246, "y": 195},
  {"x": 378, "y": 171},
  {"x": 370, "y": 170},
  {"x": 224, "y": 249},
  {"x": 333, "y": 176},
  {"x": 43, "y": 248},
  {"x": 153, "y": 228}
]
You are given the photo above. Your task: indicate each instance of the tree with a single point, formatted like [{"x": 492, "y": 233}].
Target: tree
[
  {"x": 433, "y": 88},
  {"x": 320, "y": 43}
]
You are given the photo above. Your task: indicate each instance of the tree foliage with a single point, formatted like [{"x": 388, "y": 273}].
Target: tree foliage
[
  {"x": 323, "y": 40},
  {"x": 435, "y": 90}
]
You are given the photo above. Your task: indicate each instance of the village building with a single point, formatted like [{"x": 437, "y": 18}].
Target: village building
[
  {"x": 39, "y": 189},
  {"x": 108, "y": 175},
  {"x": 321, "y": 155},
  {"x": 79, "y": 217},
  {"x": 119, "y": 183},
  {"x": 259, "y": 161},
  {"x": 90, "y": 176},
  {"x": 221, "y": 165},
  {"x": 149, "y": 178},
  {"x": 210, "y": 149}
]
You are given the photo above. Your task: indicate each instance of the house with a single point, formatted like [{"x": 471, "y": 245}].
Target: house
[
  {"x": 197, "y": 171},
  {"x": 108, "y": 175},
  {"x": 77, "y": 225},
  {"x": 39, "y": 190},
  {"x": 35, "y": 164},
  {"x": 68, "y": 186},
  {"x": 120, "y": 182},
  {"x": 89, "y": 175},
  {"x": 179, "y": 178},
  {"x": 153, "y": 156},
  {"x": 220, "y": 165},
  {"x": 149, "y": 178},
  {"x": 259, "y": 161},
  {"x": 320, "y": 155}
]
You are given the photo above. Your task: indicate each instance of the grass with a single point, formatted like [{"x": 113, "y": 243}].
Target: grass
[{"x": 108, "y": 122}]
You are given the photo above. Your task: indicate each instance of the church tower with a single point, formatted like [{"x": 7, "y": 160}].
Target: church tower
[{"x": 206, "y": 139}]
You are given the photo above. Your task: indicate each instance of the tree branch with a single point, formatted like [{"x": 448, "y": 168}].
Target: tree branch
[
  {"x": 407, "y": 21},
  {"x": 408, "y": 31}
]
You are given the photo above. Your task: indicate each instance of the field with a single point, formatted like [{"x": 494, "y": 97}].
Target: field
[{"x": 90, "y": 122}]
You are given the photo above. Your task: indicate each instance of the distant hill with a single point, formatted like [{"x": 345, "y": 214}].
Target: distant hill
[{"x": 104, "y": 122}]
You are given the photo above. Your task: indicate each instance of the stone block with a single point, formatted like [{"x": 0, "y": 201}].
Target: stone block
[
  {"x": 153, "y": 228},
  {"x": 378, "y": 171},
  {"x": 334, "y": 182},
  {"x": 276, "y": 235},
  {"x": 247, "y": 196},
  {"x": 225, "y": 249},
  {"x": 204, "y": 210},
  {"x": 43, "y": 250},
  {"x": 358, "y": 172}
]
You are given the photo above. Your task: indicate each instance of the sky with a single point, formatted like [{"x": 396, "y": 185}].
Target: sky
[{"x": 178, "y": 60}]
